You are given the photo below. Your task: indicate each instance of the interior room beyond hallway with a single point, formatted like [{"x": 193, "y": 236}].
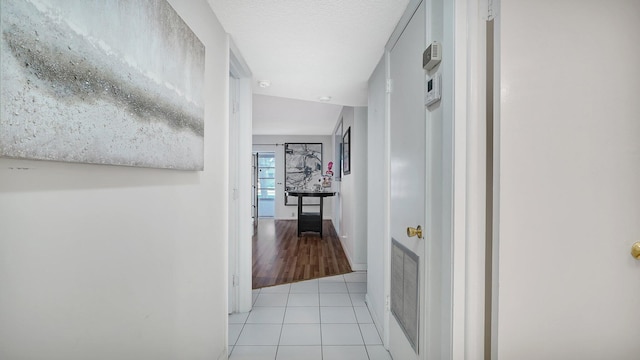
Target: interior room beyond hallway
[{"x": 280, "y": 256}]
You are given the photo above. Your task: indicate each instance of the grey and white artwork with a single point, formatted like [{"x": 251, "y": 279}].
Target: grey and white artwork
[
  {"x": 103, "y": 81},
  {"x": 303, "y": 168}
]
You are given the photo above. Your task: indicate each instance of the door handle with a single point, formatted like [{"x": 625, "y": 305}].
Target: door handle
[
  {"x": 635, "y": 250},
  {"x": 417, "y": 231}
]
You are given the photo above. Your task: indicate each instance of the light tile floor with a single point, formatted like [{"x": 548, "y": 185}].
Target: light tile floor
[{"x": 321, "y": 319}]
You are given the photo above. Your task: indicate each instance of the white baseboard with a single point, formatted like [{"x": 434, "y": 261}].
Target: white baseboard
[
  {"x": 354, "y": 267},
  {"x": 379, "y": 325},
  {"x": 358, "y": 267},
  {"x": 224, "y": 354}
]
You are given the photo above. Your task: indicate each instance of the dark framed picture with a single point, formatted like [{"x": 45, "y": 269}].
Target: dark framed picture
[
  {"x": 346, "y": 152},
  {"x": 302, "y": 169}
]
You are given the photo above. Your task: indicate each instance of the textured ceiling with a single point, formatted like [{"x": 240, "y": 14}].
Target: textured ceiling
[{"x": 311, "y": 48}]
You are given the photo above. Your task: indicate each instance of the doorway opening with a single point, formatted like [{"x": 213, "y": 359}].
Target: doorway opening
[{"x": 266, "y": 184}]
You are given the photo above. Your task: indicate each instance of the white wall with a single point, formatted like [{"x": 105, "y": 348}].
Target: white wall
[
  {"x": 439, "y": 222},
  {"x": 377, "y": 194},
  {"x": 275, "y": 143},
  {"x": 107, "y": 262},
  {"x": 353, "y": 190},
  {"x": 282, "y": 116},
  {"x": 337, "y": 177}
]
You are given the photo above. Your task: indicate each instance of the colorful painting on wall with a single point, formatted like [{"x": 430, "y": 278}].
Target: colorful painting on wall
[
  {"x": 303, "y": 169},
  {"x": 115, "y": 82}
]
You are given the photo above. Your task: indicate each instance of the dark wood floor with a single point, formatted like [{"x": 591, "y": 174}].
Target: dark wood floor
[{"x": 280, "y": 256}]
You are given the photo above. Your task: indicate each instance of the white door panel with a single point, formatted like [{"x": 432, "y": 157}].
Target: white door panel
[
  {"x": 408, "y": 154},
  {"x": 569, "y": 176}
]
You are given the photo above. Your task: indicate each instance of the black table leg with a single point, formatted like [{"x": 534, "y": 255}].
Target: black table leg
[
  {"x": 299, "y": 215},
  {"x": 321, "y": 207}
]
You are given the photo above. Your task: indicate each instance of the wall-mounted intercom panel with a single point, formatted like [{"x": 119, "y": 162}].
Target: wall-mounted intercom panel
[
  {"x": 433, "y": 91},
  {"x": 431, "y": 57}
]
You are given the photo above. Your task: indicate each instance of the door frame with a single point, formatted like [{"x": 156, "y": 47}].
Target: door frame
[
  {"x": 471, "y": 304},
  {"x": 239, "y": 245},
  {"x": 471, "y": 309}
]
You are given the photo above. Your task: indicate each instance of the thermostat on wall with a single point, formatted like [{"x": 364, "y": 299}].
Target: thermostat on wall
[
  {"x": 433, "y": 89},
  {"x": 432, "y": 56}
]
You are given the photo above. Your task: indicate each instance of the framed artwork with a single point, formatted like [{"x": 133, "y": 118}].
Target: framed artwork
[
  {"x": 302, "y": 169},
  {"x": 346, "y": 152},
  {"x": 75, "y": 86},
  {"x": 337, "y": 140}
]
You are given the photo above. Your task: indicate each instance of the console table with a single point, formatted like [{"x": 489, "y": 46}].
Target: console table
[{"x": 309, "y": 221}]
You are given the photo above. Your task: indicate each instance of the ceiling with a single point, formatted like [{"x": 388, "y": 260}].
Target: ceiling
[
  {"x": 311, "y": 48},
  {"x": 284, "y": 116}
]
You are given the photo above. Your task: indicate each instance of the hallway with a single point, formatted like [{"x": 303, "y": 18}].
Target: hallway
[{"x": 320, "y": 319}]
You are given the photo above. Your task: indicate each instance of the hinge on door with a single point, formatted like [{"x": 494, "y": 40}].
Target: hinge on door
[
  {"x": 387, "y": 303},
  {"x": 236, "y": 107},
  {"x": 389, "y": 86},
  {"x": 235, "y": 280}
]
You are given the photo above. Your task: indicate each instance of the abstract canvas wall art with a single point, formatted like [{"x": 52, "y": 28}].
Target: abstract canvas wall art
[
  {"x": 303, "y": 168},
  {"x": 104, "y": 81}
]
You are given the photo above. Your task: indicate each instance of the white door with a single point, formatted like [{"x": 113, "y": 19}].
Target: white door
[
  {"x": 408, "y": 161},
  {"x": 569, "y": 181}
]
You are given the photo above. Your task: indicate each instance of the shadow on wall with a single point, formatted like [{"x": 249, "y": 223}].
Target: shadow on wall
[{"x": 30, "y": 175}]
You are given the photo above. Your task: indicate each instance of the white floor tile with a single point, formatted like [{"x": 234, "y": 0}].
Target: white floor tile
[
  {"x": 359, "y": 276},
  {"x": 259, "y": 334},
  {"x": 357, "y": 299},
  {"x": 344, "y": 353},
  {"x": 302, "y": 315},
  {"x": 357, "y": 288},
  {"x": 333, "y": 287},
  {"x": 378, "y": 352},
  {"x": 299, "y": 353},
  {"x": 300, "y": 334},
  {"x": 266, "y": 315},
  {"x": 272, "y": 300},
  {"x": 305, "y": 287},
  {"x": 253, "y": 353},
  {"x": 254, "y": 297},
  {"x": 370, "y": 334},
  {"x": 363, "y": 315},
  {"x": 238, "y": 318},
  {"x": 234, "y": 333},
  {"x": 320, "y": 319},
  {"x": 341, "y": 334},
  {"x": 335, "y": 300},
  {"x": 278, "y": 289},
  {"x": 303, "y": 300},
  {"x": 337, "y": 278},
  {"x": 337, "y": 315}
]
